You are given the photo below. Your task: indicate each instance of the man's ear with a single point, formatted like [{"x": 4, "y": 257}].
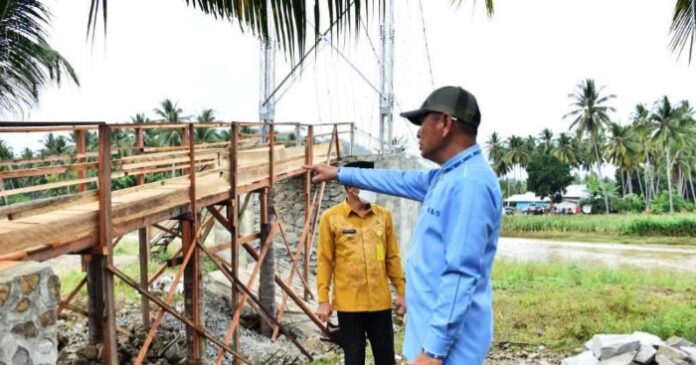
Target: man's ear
[{"x": 447, "y": 124}]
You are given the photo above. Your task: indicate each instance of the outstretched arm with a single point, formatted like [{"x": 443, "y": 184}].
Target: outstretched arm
[{"x": 410, "y": 184}]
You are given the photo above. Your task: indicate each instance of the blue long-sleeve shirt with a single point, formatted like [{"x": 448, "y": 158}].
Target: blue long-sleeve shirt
[{"x": 448, "y": 270}]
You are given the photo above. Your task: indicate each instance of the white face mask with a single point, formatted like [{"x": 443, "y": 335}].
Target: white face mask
[{"x": 367, "y": 197}]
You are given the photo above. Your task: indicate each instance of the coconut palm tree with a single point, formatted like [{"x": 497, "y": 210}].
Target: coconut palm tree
[
  {"x": 591, "y": 115},
  {"x": 517, "y": 154},
  {"x": 140, "y": 118},
  {"x": 621, "y": 149},
  {"x": 641, "y": 127},
  {"x": 685, "y": 147},
  {"x": 206, "y": 134},
  {"x": 27, "y": 62},
  {"x": 496, "y": 154},
  {"x": 5, "y": 151},
  {"x": 56, "y": 145},
  {"x": 546, "y": 140},
  {"x": 564, "y": 150},
  {"x": 667, "y": 127},
  {"x": 170, "y": 112}
]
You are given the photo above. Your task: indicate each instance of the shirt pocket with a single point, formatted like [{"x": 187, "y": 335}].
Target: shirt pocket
[{"x": 347, "y": 235}]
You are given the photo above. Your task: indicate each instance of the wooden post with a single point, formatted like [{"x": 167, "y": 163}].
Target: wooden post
[
  {"x": 192, "y": 272},
  {"x": 143, "y": 237},
  {"x": 271, "y": 142},
  {"x": 309, "y": 159},
  {"x": 338, "y": 143},
  {"x": 81, "y": 149},
  {"x": 140, "y": 144},
  {"x": 233, "y": 219},
  {"x": 185, "y": 137},
  {"x": 2, "y": 188},
  {"x": 102, "y": 322},
  {"x": 144, "y": 256}
]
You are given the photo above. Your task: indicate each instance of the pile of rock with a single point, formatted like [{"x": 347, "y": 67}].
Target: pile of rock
[{"x": 637, "y": 348}]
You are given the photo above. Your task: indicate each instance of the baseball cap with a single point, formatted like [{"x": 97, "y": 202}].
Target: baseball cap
[{"x": 452, "y": 100}]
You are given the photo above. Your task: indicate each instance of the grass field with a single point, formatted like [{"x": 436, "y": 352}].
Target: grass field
[
  {"x": 677, "y": 229},
  {"x": 560, "y": 306}
]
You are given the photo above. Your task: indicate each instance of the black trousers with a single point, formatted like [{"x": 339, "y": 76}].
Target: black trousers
[{"x": 354, "y": 326}]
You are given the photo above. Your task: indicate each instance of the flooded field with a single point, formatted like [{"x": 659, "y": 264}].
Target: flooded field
[{"x": 678, "y": 258}]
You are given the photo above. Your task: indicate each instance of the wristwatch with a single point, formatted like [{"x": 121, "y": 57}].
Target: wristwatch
[{"x": 431, "y": 355}]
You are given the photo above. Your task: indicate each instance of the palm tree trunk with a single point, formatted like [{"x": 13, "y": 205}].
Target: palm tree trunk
[
  {"x": 682, "y": 188},
  {"x": 646, "y": 176},
  {"x": 630, "y": 181},
  {"x": 669, "y": 180},
  {"x": 691, "y": 184},
  {"x": 640, "y": 186},
  {"x": 623, "y": 182},
  {"x": 648, "y": 183},
  {"x": 599, "y": 172}
]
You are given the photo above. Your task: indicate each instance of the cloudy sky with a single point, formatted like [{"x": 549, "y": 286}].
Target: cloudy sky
[{"x": 521, "y": 64}]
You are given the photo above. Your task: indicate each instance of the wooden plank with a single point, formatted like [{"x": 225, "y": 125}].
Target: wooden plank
[
  {"x": 45, "y": 159},
  {"x": 60, "y": 184},
  {"x": 65, "y": 128},
  {"x": 48, "y": 170},
  {"x": 172, "y": 161},
  {"x": 34, "y": 207}
]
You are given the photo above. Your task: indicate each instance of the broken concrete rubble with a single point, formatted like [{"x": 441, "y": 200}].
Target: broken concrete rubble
[{"x": 636, "y": 348}]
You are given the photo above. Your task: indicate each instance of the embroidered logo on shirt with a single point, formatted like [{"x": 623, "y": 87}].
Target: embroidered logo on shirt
[{"x": 432, "y": 211}]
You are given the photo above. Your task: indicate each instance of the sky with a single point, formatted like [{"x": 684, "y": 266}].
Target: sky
[{"x": 521, "y": 64}]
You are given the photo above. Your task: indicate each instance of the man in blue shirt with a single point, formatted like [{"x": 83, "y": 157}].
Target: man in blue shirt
[{"x": 448, "y": 270}]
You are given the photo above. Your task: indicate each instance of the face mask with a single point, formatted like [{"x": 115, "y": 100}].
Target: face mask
[{"x": 367, "y": 197}]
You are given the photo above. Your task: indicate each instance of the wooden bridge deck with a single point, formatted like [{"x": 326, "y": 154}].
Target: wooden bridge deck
[{"x": 46, "y": 230}]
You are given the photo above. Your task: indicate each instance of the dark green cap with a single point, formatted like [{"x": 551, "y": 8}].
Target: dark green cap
[{"x": 452, "y": 100}]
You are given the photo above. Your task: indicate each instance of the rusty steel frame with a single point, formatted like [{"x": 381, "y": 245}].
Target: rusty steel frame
[{"x": 98, "y": 257}]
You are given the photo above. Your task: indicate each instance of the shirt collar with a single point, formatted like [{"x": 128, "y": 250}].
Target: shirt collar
[
  {"x": 348, "y": 210},
  {"x": 460, "y": 158}
]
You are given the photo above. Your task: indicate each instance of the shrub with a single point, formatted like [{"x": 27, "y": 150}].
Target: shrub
[
  {"x": 675, "y": 227},
  {"x": 632, "y": 203},
  {"x": 660, "y": 204}
]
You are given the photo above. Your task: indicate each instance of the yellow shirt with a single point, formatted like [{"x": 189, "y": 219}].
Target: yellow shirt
[{"x": 362, "y": 255}]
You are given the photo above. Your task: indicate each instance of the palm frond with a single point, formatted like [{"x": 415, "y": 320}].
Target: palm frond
[
  {"x": 287, "y": 20},
  {"x": 683, "y": 27},
  {"x": 28, "y": 62}
]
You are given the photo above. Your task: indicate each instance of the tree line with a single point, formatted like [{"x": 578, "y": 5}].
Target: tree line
[
  {"x": 53, "y": 144},
  {"x": 654, "y": 152}
]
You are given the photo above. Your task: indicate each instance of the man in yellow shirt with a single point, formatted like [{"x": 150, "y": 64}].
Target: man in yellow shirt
[{"x": 359, "y": 250}]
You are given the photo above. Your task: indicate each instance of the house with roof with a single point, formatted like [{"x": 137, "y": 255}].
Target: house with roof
[
  {"x": 569, "y": 202},
  {"x": 522, "y": 202}
]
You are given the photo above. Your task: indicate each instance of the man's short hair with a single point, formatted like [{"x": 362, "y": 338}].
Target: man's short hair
[{"x": 471, "y": 128}]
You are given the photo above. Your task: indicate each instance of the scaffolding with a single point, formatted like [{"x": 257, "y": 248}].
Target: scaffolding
[{"x": 204, "y": 184}]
